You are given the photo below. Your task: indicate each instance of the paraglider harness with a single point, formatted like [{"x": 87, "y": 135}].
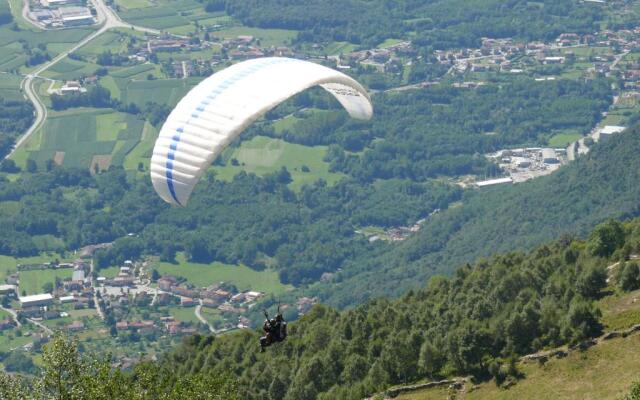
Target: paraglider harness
[{"x": 275, "y": 330}]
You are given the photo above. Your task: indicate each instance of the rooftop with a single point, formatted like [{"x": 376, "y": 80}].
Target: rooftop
[
  {"x": 494, "y": 182},
  {"x": 611, "y": 129},
  {"x": 36, "y": 297}
]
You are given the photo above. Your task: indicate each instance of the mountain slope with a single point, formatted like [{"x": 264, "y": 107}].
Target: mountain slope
[
  {"x": 476, "y": 323},
  {"x": 602, "y": 372},
  {"x": 601, "y": 185}
]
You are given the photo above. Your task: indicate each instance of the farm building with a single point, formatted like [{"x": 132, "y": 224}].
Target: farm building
[
  {"x": 43, "y": 299},
  {"x": 7, "y": 289},
  {"x": 74, "y": 16},
  {"x": 492, "y": 182}
]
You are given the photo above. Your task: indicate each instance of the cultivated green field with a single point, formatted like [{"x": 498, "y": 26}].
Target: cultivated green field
[
  {"x": 203, "y": 275},
  {"x": 185, "y": 314},
  {"x": 563, "y": 139},
  {"x": 132, "y": 4},
  {"x": 267, "y": 37},
  {"x": 8, "y": 265},
  {"x": 10, "y": 87},
  {"x": 339, "y": 47},
  {"x": 110, "y": 272},
  {"x": 141, "y": 153},
  {"x": 31, "y": 281},
  {"x": 262, "y": 155},
  {"x": 175, "y": 16},
  {"x": 163, "y": 91},
  {"x": 12, "y": 43},
  {"x": 84, "y": 138}
]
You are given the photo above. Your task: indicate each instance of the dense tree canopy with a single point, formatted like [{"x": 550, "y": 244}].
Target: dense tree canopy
[
  {"x": 571, "y": 201},
  {"x": 438, "y": 23},
  {"x": 443, "y": 130},
  {"x": 68, "y": 374},
  {"x": 15, "y": 118}
]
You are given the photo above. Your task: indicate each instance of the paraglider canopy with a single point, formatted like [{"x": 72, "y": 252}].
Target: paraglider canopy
[{"x": 218, "y": 109}]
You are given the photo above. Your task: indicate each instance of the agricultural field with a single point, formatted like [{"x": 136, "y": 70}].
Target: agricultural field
[
  {"x": 69, "y": 69},
  {"x": 31, "y": 281},
  {"x": 8, "y": 265},
  {"x": 110, "y": 272},
  {"x": 10, "y": 87},
  {"x": 165, "y": 91},
  {"x": 267, "y": 37},
  {"x": 562, "y": 139},
  {"x": 174, "y": 16},
  {"x": 141, "y": 153},
  {"x": 13, "y": 43},
  {"x": 185, "y": 314},
  {"x": 262, "y": 155},
  {"x": 85, "y": 138},
  {"x": 203, "y": 275},
  {"x": 180, "y": 17},
  {"x": 339, "y": 48}
]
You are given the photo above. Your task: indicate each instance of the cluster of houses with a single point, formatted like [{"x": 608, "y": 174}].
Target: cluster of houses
[
  {"x": 212, "y": 297},
  {"x": 503, "y": 55},
  {"x": 388, "y": 59}
]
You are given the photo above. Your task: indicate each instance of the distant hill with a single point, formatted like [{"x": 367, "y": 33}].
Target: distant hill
[{"x": 600, "y": 185}]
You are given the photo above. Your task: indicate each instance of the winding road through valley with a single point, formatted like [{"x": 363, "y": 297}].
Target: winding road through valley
[{"x": 107, "y": 19}]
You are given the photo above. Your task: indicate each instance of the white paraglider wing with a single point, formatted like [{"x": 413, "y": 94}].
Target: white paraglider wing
[{"x": 218, "y": 109}]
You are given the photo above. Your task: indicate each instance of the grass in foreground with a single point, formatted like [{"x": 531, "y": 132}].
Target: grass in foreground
[{"x": 604, "y": 371}]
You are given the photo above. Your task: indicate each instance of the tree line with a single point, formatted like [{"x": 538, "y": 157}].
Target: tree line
[
  {"x": 15, "y": 117},
  {"x": 436, "y": 24}
]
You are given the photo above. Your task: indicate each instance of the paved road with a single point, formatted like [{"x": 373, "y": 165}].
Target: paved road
[
  {"x": 43, "y": 327},
  {"x": 108, "y": 20},
  {"x": 202, "y": 319},
  {"x": 13, "y": 314}
]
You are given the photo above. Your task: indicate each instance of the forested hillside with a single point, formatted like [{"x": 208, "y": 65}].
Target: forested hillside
[
  {"x": 476, "y": 322},
  {"x": 595, "y": 187},
  {"x": 435, "y": 23}
]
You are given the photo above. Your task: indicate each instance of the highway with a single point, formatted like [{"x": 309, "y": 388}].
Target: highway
[{"x": 108, "y": 20}]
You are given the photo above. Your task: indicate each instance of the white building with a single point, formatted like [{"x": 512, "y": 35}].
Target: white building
[
  {"x": 43, "y": 299},
  {"x": 66, "y": 299},
  {"x": 7, "y": 289},
  {"x": 73, "y": 16},
  {"x": 610, "y": 130},
  {"x": 492, "y": 182}
]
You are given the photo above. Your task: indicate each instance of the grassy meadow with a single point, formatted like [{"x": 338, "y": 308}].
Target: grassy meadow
[
  {"x": 262, "y": 155},
  {"x": 203, "y": 275}
]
